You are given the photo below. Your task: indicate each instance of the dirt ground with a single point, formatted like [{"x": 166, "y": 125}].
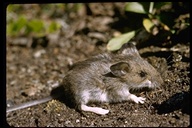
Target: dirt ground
[{"x": 36, "y": 66}]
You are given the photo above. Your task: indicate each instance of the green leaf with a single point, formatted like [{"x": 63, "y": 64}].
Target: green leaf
[
  {"x": 53, "y": 27},
  {"x": 148, "y": 24},
  {"x": 35, "y": 26},
  {"x": 135, "y": 7},
  {"x": 15, "y": 27},
  {"x": 116, "y": 43}
]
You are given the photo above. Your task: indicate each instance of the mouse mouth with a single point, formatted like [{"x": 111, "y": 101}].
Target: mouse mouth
[{"x": 146, "y": 85}]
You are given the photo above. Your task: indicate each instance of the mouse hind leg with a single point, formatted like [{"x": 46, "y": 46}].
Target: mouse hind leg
[
  {"x": 96, "y": 110},
  {"x": 87, "y": 96}
]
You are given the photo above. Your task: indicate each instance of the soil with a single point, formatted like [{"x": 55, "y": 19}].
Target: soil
[{"x": 35, "y": 66}]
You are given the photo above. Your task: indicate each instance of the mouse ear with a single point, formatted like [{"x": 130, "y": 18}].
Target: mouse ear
[
  {"x": 129, "y": 49},
  {"x": 120, "y": 69}
]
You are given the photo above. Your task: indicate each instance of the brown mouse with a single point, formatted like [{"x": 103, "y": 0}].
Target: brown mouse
[{"x": 108, "y": 78}]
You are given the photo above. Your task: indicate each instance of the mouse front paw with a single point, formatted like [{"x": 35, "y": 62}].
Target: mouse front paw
[{"x": 137, "y": 99}]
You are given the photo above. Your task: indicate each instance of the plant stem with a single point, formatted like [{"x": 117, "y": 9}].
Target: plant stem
[{"x": 151, "y": 7}]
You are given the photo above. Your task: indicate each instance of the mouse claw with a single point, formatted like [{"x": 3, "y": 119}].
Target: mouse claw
[
  {"x": 137, "y": 99},
  {"x": 141, "y": 100}
]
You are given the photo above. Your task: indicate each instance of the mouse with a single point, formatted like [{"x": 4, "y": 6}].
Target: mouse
[{"x": 106, "y": 77}]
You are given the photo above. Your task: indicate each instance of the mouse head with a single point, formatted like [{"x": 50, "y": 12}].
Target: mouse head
[
  {"x": 137, "y": 75},
  {"x": 134, "y": 70}
]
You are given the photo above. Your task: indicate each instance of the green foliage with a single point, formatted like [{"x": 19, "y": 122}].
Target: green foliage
[
  {"x": 148, "y": 9},
  {"x": 18, "y": 23},
  {"x": 53, "y": 27},
  {"x": 148, "y": 24},
  {"x": 122, "y": 39},
  {"x": 35, "y": 26},
  {"x": 16, "y": 26},
  {"x": 20, "y": 19},
  {"x": 136, "y": 7}
]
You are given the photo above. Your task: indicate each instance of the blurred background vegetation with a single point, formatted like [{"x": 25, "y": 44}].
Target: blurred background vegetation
[{"x": 38, "y": 20}]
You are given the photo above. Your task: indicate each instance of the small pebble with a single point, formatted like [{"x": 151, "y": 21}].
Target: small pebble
[{"x": 77, "y": 121}]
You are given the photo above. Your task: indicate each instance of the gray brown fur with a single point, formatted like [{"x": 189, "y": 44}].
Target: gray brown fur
[{"x": 111, "y": 74}]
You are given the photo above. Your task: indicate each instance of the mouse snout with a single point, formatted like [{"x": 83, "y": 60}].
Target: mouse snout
[
  {"x": 157, "y": 80},
  {"x": 146, "y": 83}
]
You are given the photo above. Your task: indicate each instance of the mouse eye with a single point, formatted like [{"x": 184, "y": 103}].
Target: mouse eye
[{"x": 142, "y": 74}]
